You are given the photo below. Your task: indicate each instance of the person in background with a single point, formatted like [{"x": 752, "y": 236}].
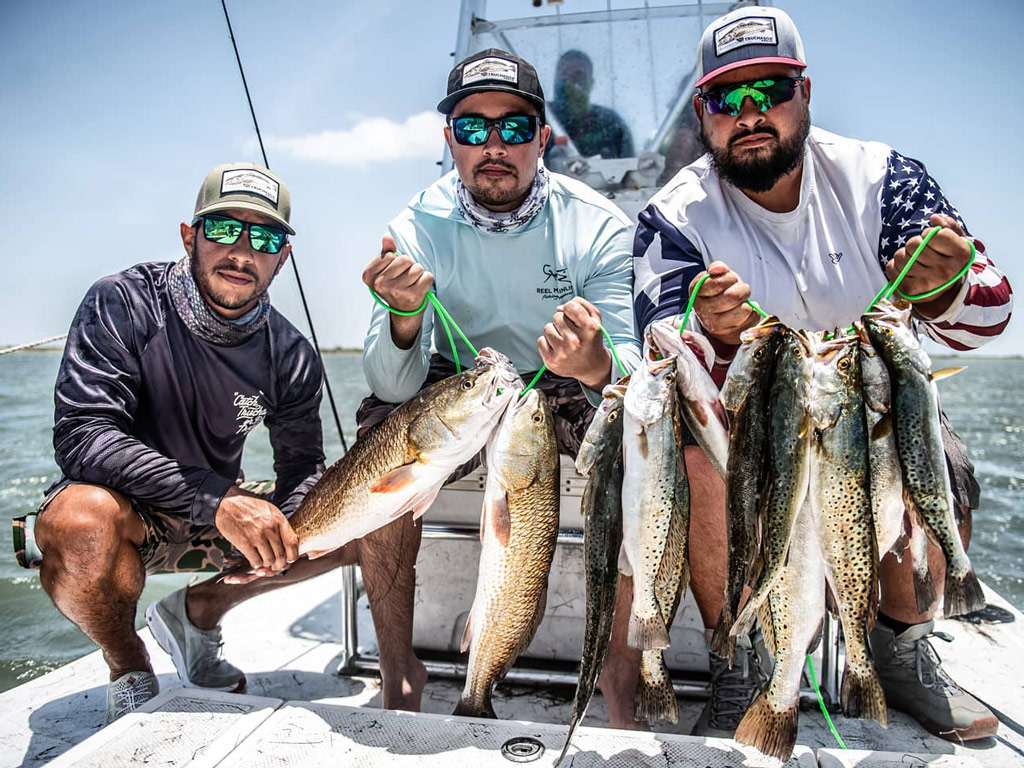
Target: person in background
[
  {"x": 168, "y": 367},
  {"x": 594, "y": 130},
  {"x": 812, "y": 225}
]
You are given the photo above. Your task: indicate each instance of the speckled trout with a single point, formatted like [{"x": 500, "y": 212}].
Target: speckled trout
[
  {"x": 840, "y": 494},
  {"x": 400, "y": 465},
  {"x": 518, "y": 530},
  {"x": 600, "y": 459},
  {"x": 745, "y": 396},
  {"x": 790, "y": 621},
  {"x": 649, "y": 492},
  {"x": 699, "y": 402},
  {"x": 789, "y": 453},
  {"x": 922, "y": 458}
]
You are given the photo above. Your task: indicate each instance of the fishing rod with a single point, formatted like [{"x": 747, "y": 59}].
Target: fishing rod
[
  {"x": 29, "y": 345},
  {"x": 295, "y": 266}
]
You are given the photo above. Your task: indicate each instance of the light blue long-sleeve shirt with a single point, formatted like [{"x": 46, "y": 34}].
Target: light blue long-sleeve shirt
[{"x": 502, "y": 288}]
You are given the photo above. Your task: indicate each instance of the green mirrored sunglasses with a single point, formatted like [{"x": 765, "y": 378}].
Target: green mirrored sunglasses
[
  {"x": 224, "y": 230},
  {"x": 767, "y": 93}
]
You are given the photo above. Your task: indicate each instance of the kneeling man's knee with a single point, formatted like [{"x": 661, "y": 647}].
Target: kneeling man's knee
[{"x": 87, "y": 518}]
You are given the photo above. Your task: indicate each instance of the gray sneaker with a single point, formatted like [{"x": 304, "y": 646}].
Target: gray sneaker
[
  {"x": 195, "y": 652},
  {"x": 129, "y": 692},
  {"x": 914, "y": 682},
  {"x": 732, "y": 690}
]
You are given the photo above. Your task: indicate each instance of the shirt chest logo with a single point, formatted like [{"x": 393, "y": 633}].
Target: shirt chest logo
[
  {"x": 556, "y": 284},
  {"x": 250, "y": 412}
]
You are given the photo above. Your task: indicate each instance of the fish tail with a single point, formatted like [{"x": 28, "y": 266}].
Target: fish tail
[
  {"x": 568, "y": 740},
  {"x": 723, "y": 644},
  {"x": 963, "y": 593},
  {"x": 647, "y": 633},
  {"x": 467, "y": 707},
  {"x": 655, "y": 698},
  {"x": 771, "y": 732},
  {"x": 862, "y": 695}
]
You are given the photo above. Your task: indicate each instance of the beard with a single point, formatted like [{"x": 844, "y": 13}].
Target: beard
[
  {"x": 221, "y": 300},
  {"x": 763, "y": 170},
  {"x": 496, "y": 196}
]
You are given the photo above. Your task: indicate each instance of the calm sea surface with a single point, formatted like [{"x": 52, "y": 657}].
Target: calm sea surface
[{"x": 985, "y": 404}]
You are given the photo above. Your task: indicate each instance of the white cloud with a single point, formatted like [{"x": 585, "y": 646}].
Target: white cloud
[{"x": 370, "y": 141}]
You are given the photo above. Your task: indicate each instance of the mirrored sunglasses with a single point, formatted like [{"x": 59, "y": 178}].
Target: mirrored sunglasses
[
  {"x": 224, "y": 230},
  {"x": 513, "y": 129},
  {"x": 768, "y": 93}
]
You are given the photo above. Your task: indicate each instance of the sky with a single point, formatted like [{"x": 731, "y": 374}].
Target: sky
[{"x": 111, "y": 114}]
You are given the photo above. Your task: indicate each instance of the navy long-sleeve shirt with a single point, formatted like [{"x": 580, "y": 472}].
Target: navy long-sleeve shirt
[{"x": 147, "y": 408}]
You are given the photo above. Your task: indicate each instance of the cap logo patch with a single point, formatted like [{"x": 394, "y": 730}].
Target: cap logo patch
[
  {"x": 491, "y": 68},
  {"x": 747, "y": 31},
  {"x": 253, "y": 182}
]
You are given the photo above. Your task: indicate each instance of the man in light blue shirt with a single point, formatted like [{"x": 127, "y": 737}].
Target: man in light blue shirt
[{"x": 514, "y": 253}]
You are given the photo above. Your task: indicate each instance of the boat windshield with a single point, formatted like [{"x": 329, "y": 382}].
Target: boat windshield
[{"x": 618, "y": 80}]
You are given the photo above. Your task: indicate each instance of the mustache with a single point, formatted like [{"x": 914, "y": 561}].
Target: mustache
[
  {"x": 234, "y": 268},
  {"x": 745, "y": 133},
  {"x": 495, "y": 163}
]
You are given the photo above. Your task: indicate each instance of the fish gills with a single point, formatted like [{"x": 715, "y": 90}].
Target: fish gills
[
  {"x": 519, "y": 529},
  {"x": 401, "y": 464},
  {"x": 746, "y": 396},
  {"x": 600, "y": 458},
  {"x": 922, "y": 457},
  {"x": 840, "y": 494}
]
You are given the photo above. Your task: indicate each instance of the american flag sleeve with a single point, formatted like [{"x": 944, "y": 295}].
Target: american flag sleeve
[{"x": 982, "y": 307}]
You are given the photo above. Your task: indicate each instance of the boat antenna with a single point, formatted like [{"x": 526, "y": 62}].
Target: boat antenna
[{"x": 295, "y": 266}]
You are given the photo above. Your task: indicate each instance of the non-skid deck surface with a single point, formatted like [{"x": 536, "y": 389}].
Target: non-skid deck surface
[{"x": 287, "y": 642}]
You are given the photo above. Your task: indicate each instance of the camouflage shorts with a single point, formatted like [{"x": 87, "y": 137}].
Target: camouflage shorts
[
  {"x": 172, "y": 544},
  {"x": 570, "y": 410}
]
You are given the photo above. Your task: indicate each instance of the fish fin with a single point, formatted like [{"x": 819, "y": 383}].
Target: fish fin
[
  {"x": 862, "y": 696},
  {"x": 764, "y": 616},
  {"x": 642, "y": 446},
  {"x": 768, "y": 731},
  {"x": 945, "y": 373},
  {"x": 397, "y": 479},
  {"x": 467, "y": 632},
  {"x": 831, "y": 604},
  {"x": 722, "y": 644},
  {"x": 466, "y": 709},
  {"x": 647, "y": 633},
  {"x": 655, "y": 697},
  {"x": 924, "y": 587},
  {"x": 568, "y": 740},
  {"x": 805, "y": 425},
  {"x": 883, "y": 428},
  {"x": 423, "y": 503},
  {"x": 625, "y": 567},
  {"x": 496, "y": 516},
  {"x": 963, "y": 594}
]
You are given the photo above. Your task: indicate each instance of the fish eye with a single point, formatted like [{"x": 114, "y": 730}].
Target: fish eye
[
  {"x": 797, "y": 352},
  {"x": 759, "y": 353},
  {"x": 844, "y": 363},
  {"x": 467, "y": 384},
  {"x": 538, "y": 418},
  {"x": 613, "y": 416},
  {"x": 670, "y": 376}
]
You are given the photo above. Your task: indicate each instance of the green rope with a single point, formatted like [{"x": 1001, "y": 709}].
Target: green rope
[
  {"x": 821, "y": 703},
  {"x": 693, "y": 297},
  {"x": 447, "y": 319}
]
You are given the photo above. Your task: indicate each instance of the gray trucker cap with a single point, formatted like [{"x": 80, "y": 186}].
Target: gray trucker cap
[{"x": 751, "y": 35}]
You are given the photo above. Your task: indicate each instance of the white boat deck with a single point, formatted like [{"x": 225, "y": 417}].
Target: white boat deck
[{"x": 289, "y": 643}]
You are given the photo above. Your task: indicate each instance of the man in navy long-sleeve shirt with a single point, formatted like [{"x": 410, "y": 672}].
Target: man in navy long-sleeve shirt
[{"x": 167, "y": 368}]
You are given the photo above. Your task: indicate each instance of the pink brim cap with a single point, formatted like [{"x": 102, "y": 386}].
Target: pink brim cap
[{"x": 750, "y": 62}]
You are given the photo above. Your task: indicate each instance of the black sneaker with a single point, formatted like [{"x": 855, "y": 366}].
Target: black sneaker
[
  {"x": 914, "y": 682},
  {"x": 732, "y": 691}
]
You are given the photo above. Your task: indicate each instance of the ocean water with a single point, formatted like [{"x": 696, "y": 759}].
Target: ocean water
[{"x": 985, "y": 404}]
